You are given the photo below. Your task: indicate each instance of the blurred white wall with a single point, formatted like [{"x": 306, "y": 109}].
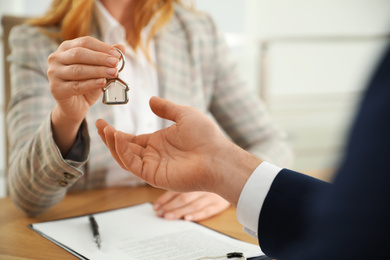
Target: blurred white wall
[{"x": 309, "y": 60}]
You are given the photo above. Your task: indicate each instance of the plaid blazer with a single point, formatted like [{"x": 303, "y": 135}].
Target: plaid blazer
[{"x": 194, "y": 69}]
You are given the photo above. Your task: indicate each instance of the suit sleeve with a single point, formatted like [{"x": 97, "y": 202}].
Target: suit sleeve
[
  {"x": 283, "y": 215},
  {"x": 304, "y": 219}
]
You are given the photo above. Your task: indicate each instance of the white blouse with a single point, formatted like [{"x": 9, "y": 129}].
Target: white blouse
[{"x": 135, "y": 117}]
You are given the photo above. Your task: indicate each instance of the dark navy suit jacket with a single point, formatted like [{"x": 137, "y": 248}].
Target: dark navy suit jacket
[{"x": 307, "y": 219}]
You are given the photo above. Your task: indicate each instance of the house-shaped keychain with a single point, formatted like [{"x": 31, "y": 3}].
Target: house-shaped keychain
[{"x": 115, "y": 91}]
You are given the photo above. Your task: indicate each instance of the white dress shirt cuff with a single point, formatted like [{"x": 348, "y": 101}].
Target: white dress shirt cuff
[{"x": 253, "y": 195}]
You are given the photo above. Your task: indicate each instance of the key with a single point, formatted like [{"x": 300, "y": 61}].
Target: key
[{"x": 115, "y": 92}]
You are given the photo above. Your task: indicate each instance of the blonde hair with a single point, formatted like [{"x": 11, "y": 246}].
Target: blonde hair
[{"x": 74, "y": 18}]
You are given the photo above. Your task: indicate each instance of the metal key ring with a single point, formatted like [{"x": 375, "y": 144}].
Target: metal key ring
[{"x": 123, "y": 59}]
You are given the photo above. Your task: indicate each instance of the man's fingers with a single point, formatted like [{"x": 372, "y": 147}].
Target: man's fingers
[
  {"x": 100, "y": 125},
  {"x": 109, "y": 133},
  {"x": 165, "y": 109},
  {"x": 120, "y": 145},
  {"x": 141, "y": 140},
  {"x": 124, "y": 150}
]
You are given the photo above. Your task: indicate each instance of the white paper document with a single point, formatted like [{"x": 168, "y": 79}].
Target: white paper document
[{"x": 137, "y": 233}]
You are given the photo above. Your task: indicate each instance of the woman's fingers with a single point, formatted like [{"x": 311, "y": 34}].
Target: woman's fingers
[
  {"x": 162, "y": 200},
  {"x": 89, "y": 42},
  {"x": 84, "y": 58},
  {"x": 83, "y": 72},
  {"x": 78, "y": 70},
  {"x": 81, "y": 55},
  {"x": 73, "y": 88},
  {"x": 121, "y": 47},
  {"x": 192, "y": 206}
]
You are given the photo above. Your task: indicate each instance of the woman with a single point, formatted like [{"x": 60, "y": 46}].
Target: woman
[{"x": 60, "y": 63}]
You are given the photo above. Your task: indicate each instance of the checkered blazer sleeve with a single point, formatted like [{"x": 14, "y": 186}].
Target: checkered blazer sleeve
[
  {"x": 38, "y": 176},
  {"x": 196, "y": 69},
  {"x": 238, "y": 109}
]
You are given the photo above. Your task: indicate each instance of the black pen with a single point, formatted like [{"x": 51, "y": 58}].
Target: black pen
[{"x": 95, "y": 230}]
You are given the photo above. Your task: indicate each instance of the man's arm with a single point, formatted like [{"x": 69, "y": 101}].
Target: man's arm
[
  {"x": 190, "y": 155},
  {"x": 302, "y": 218},
  {"x": 194, "y": 155},
  {"x": 283, "y": 219}
]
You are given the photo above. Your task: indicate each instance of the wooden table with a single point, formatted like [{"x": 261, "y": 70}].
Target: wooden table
[{"x": 18, "y": 242}]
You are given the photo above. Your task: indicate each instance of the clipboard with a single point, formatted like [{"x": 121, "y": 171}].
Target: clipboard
[{"x": 136, "y": 232}]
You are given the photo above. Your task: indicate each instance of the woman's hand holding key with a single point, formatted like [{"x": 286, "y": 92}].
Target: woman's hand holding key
[{"x": 77, "y": 72}]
